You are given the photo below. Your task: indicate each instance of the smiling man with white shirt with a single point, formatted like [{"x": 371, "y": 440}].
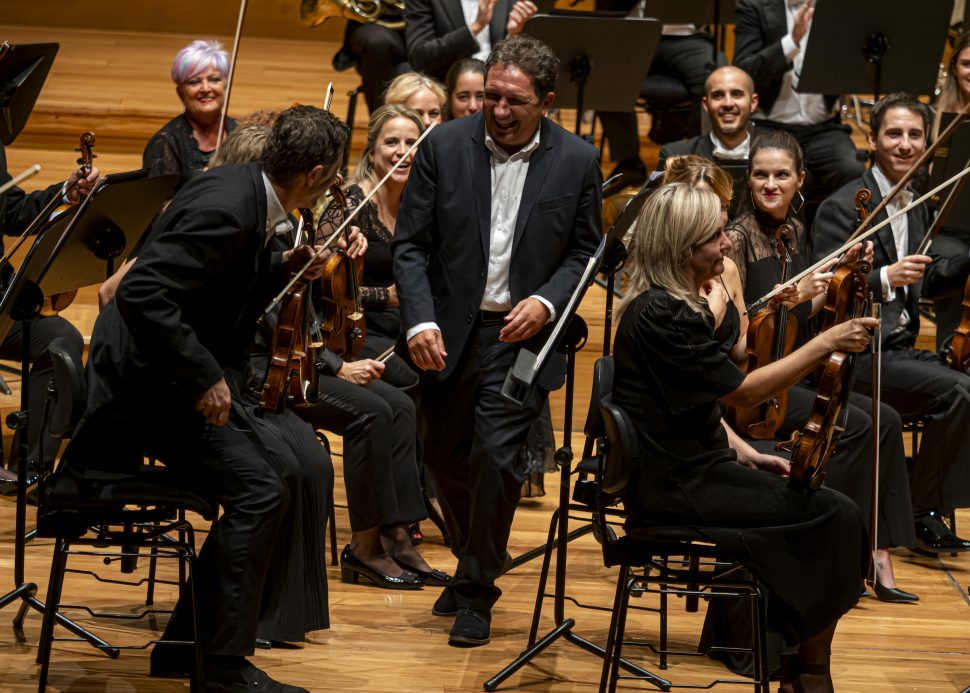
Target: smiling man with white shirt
[{"x": 915, "y": 382}]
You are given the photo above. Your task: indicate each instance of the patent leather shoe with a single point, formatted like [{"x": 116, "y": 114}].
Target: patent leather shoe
[
  {"x": 431, "y": 578},
  {"x": 8, "y": 484},
  {"x": 893, "y": 595},
  {"x": 352, "y": 569},
  {"x": 472, "y": 628},
  {"x": 446, "y": 604},
  {"x": 237, "y": 675},
  {"x": 934, "y": 536}
]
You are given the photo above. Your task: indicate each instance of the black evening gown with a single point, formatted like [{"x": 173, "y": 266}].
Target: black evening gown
[
  {"x": 809, "y": 548},
  {"x": 173, "y": 149}
]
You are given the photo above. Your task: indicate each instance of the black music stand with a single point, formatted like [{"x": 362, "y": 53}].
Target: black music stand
[
  {"x": 717, "y": 13},
  {"x": 23, "y": 71},
  {"x": 569, "y": 335},
  {"x": 596, "y": 57},
  {"x": 76, "y": 250},
  {"x": 947, "y": 162},
  {"x": 877, "y": 45}
]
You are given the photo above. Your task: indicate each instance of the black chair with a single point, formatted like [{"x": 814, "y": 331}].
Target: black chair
[
  {"x": 675, "y": 560},
  {"x": 103, "y": 509}
]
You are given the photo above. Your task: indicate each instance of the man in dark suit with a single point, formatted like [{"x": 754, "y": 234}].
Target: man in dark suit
[
  {"x": 499, "y": 217},
  {"x": 729, "y": 99},
  {"x": 439, "y": 33},
  {"x": 915, "y": 382},
  {"x": 17, "y": 210},
  {"x": 180, "y": 324},
  {"x": 770, "y": 38}
]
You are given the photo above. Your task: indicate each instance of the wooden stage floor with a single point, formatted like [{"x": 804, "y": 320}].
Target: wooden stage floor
[{"x": 383, "y": 641}]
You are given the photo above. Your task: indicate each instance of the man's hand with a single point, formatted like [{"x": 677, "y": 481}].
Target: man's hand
[
  {"x": 295, "y": 258},
  {"x": 214, "y": 403},
  {"x": 427, "y": 350},
  {"x": 484, "y": 16},
  {"x": 524, "y": 320},
  {"x": 803, "y": 20},
  {"x": 852, "y": 335},
  {"x": 361, "y": 372},
  {"x": 865, "y": 251},
  {"x": 76, "y": 186},
  {"x": 768, "y": 463},
  {"x": 908, "y": 270},
  {"x": 519, "y": 14}
]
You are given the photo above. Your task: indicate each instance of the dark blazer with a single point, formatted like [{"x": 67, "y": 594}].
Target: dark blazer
[
  {"x": 700, "y": 145},
  {"x": 441, "y": 243},
  {"x": 760, "y": 26},
  {"x": 188, "y": 307},
  {"x": 437, "y": 35},
  {"x": 837, "y": 219}
]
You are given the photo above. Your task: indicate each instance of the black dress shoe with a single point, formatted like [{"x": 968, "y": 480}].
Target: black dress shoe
[
  {"x": 352, "y": 568},
  {"x": 431, "y": 578},
  {"x": 237, "y": 675},
  {"x": 934, "y": 536},
  {"x": 471, "y": 628},
  {"x": 267, "y": 644},
  {"x": 446, "y": 604},
  {"x": 893, "y": 594},
  {"x": 172, "y": 661}
]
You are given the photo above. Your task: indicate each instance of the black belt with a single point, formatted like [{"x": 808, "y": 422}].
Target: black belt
[{"x": 490, "y": 317}]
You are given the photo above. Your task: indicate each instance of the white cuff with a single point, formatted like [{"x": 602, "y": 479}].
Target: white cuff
[
  {"x": 887, "y": 290},
  {"x": 552, "y": 311},
  {"x": 421, "y": 327},
  {"x": 788, "y": 47}
]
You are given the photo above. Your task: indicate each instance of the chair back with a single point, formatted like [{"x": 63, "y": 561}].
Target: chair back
[
  {"x": 70, "y": 390},
  {"x": 621, "y": 451},
  {"x": 602, "y": 388}
]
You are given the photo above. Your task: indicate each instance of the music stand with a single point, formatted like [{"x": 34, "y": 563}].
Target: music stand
[
  {"x": 717, "y": 13},
  {"x": 23, "y": 71},
  {"x": 949, "y": 160},
  {"x": 569, "y": 335},
  {"x": 738, "y": 170},
  {"x": 76, "y": 250},
  {"x": 877, "y": 45},
  {"x": 596, "y": 58}
]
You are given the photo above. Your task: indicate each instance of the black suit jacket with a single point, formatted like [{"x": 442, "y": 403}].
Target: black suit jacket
[
  {"x": 760, "y": 26},
  {"x": 699, "y": 145},
  {"x": 837, "y": 219},
  {"x": 441, "y": 243},
  {"x": 437, "y": 35},
  {"x": 187, "y": 308}
]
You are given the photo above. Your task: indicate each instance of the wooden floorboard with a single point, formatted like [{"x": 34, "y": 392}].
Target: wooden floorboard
[{"x": 116, "y": 84}]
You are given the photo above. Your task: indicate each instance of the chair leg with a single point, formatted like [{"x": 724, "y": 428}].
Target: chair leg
[
  {"x": 611, "y": 636},
  {"x": 759, "y": 619},
  {"x": 620, "y": 633},
  {"x": 198, "y": 681},
  {"x": 55, "y": 585},
  {"x": 332, "y": 521},
  {"x": 663, "y": 617}
]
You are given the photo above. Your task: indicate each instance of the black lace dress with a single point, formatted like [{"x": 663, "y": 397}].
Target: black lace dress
[
  {"x": 173, "y": 149},
  {"x": 670, "y": 372}
]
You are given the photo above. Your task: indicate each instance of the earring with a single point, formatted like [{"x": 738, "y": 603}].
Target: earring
[{"x": 801, "y": 202}]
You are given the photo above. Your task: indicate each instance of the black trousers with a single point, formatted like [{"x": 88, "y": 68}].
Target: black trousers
[
  {"x": 850, "y": 468},
  {"x": 378, "y": 423},
  {"x": 950, "y": 242},
  {"x": 474, "y": 439},
  {"x": 42, "y": 332},
  {"x": 916, "y": 382},
  {"x": 380, "y": 56}
]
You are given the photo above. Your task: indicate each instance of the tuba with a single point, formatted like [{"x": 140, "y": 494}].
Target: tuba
[{"x": 313, "y": 13}]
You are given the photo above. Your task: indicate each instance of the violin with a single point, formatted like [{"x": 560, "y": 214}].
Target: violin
[
  {"x": 771, "y": 336},
  {"x": 291, "y": 373},
  {"x": 847, "y": 297},
  {"x": 957, "y": 354},
  {"x": 55, "y": 303},
  {"x": 342, "y": 325}
]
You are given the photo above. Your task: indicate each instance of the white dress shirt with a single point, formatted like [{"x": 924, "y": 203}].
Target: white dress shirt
[
  {"x": 790, "y": 106},
  {"x": 738, "y": 153},
  {"x": 470, "y": 10},
  {"x": 900, "y": 229},
  {"x": 277, "y": 218},
  {"x": 508, "y": 174}
]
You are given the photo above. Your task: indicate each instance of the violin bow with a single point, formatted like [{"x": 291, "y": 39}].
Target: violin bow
[
  {"x": 336, "y": 234},
  {"x": 20, "y": 178},
  {"x": 876, "y": 307},
  {"x": 232, "y": 71},
  {"x": 858, "y": 238},
  {"x": 941, "y": 215}
]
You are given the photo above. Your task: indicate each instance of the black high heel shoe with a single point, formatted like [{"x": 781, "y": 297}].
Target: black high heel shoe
[
  {"x": 432, "y": 578},
  {"x": 893, "y": 595},
  {"x": 438, "y": 520},
  {"x": 352, "y": 568}
]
